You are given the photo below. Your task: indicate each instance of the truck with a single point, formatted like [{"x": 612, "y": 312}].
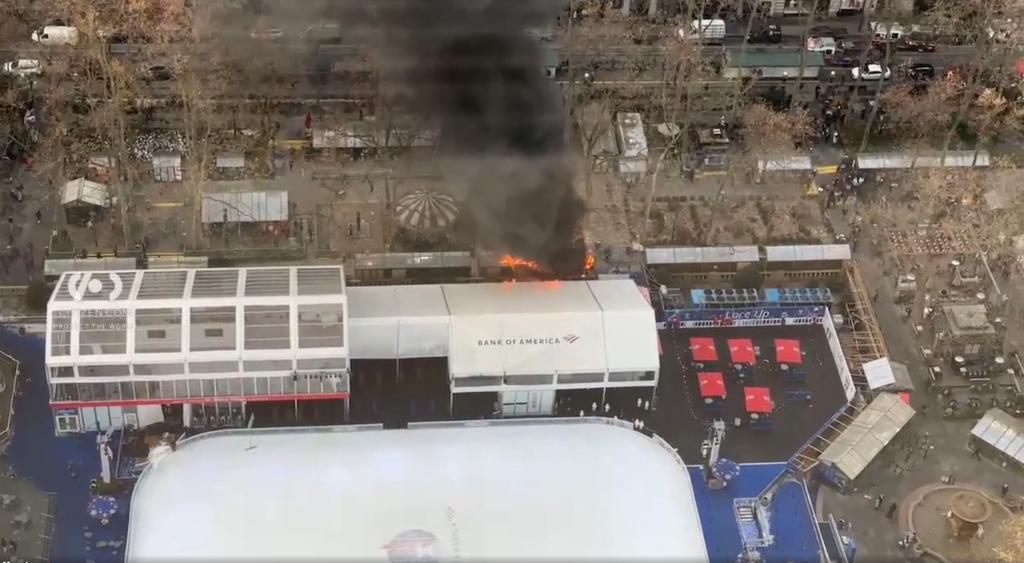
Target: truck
[
  {"x": 705, "y": 31},
  {"x": 56, "y": 35}
]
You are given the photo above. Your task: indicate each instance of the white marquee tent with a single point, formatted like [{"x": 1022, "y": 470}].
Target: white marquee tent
[
  {"x": 527, "y": 328},
  {"x": 398, "y": 321}
]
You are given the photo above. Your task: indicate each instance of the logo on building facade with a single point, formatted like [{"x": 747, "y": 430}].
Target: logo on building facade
[
  {"x": 543, "y": 341},
  {"x": 412, "y": 545},
  {"x": 78, "y": 287}
]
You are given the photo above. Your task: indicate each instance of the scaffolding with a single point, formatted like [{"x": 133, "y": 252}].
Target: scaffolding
[
  {"x": 807, "y": 458},
  {"x": 864, "y": 341},
  {"x": 862, "y": 344}
]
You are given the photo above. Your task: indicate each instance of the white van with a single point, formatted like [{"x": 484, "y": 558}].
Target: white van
[
  {"x": 56, "y": 35},
  {"x": 824, "y": 45},
  {"x": 705, "y": 31},
  {"x": 883, "y": 30},
  {"x": 23, "y": 67}
]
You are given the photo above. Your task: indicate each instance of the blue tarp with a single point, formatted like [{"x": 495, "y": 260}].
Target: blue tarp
[
  {"x": 49, "y": 462},
  {"x": 792, "y": 521}
]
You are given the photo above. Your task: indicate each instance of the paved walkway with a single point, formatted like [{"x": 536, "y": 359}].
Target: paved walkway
[{"x": 876, "y": 537}]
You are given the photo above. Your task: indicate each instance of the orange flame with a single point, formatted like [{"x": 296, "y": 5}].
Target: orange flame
[
  {"x": 589, "y": 262},
  {"x": 513, "y": 262}
]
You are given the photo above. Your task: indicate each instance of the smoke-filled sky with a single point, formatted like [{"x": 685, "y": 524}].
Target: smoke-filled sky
[{"x": 470, "y": 67}]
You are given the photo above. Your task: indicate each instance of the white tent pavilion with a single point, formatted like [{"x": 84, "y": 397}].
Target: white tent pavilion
[
  {"x": 84, "y": 192},
  {"x": 82, "y": 198}
]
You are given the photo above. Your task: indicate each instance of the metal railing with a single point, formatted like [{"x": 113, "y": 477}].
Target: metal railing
[
  {"x": 7, "y": 425},
  {"x": 48, "y": 522}
]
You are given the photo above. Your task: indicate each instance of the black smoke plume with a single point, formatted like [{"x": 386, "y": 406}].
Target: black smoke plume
[{"x": 473, "y": 68}]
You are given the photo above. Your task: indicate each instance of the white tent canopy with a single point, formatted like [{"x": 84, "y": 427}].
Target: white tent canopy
[
  {"x": 82, "y": 191},
  {"x": 405, "y": 321},
  {"x": 509, "y": 329},
  {"x": 785, "y": 164},
  {"x": 1003, "y": 432},
  {"x": 899, "y": 160},
  {"x": 885, "y": 373},
  {"x": 870, "y": 431},
  {"x": 245, "y": 207},
  {"x": 807, "y": 252},
  {"x": 578, "y": 490}
]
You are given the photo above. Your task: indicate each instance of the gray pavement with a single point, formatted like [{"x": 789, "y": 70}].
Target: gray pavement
[{"x": 947, "y": 455}]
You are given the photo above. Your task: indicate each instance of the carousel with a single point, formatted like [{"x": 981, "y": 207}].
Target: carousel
[{"x": 426, "y": 214}]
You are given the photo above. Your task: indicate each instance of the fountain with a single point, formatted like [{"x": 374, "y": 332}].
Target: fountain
[{"x": 968, "y": 510}]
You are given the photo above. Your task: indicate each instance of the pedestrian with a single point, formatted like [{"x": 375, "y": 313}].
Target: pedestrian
[
  {"x": 39, "y": 216},
  {"x": 1005, "y": 489},
  {"x": 975, "y": 453},
  {"x": 891, "y": 511},
  {"x": 878, "y": 501}
]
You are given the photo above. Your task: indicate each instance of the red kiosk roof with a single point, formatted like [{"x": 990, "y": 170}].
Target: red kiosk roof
[
  {"x": 703, "y": 349},
  {"x": 712, "y": 384},
  {"x": 741, "y": 350},
  {"x": 788, "y": 351},
  {"x": 758, "y": 399}
]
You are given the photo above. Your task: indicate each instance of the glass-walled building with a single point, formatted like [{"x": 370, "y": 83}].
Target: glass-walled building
[{"x": 200, "y": 346}]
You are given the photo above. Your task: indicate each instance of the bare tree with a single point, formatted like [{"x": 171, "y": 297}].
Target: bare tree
[
  {"x": 1012, "y": 545},
  {"x": 770, "y": 134},
  {"x": 594, "y": 122},
  {"x": 918, "y": 119}
]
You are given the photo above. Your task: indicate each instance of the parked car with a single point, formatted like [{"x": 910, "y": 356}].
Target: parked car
[
  {"x": 56, "y": 35},
  {"x": 915, "y": 45},
  {"x": 832, "y": 31},
  {"x": 706, "y": 31},
  {"x": 824, "y": 45},
  {"x": 324, "y": 32},
  {"x": 23, "y": 67},
  {"x": 159, "y": 73},
  {"x": 920, "y": 71},
  {"x": 891, "y": 31},
  {"x": 842, "y": 60},
  {"x": 268, "y": 34},
  {"x": 870, "y": 72},
  {"x": 770, "y": 33}
]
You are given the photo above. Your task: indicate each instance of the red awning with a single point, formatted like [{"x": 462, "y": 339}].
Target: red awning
[
  {"x": 711, "y": 384},
  {"x": 741, "y": 350},
  {"x": 1019, "y": 67},
  {"x": 758, "y": 399},
  {"x": 905, "y": 397},
  {"x": 703, "y": 350},
  {"x": 788, "y": 351}
]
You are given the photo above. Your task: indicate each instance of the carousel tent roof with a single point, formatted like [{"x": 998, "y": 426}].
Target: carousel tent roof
[
  {"x": 80, "y": 190},
  {"x": 425, "y": 210}
]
